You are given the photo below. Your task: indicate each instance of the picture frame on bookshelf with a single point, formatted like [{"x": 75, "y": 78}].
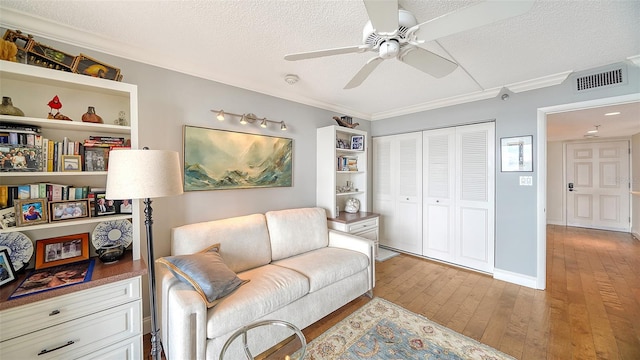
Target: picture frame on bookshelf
[
  {"x": 96, "y": 158},
  {"x": 68, "y": 210},
  {"x": 7, "y": 218},
  {"x": 102, "y": 205},
  {"x": 71, "y": 163},
  {"x": 31, "y": 212},
  {"x": 87, "y": 66},
  {"x": 7, "y": 274},
  {"x": 125, "y": 206},
  {"x": 62, "y": 250},
  {"x": 357, "y": 142},
  {"x": 20, "y": 158}
]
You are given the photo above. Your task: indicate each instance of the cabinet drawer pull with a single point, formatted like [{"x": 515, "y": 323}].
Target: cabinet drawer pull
[
  {"x": 45, "y": 351},
  {"x": 54, "y": 312}
]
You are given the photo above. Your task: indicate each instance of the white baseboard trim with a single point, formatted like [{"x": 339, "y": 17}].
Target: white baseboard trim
[
  {"x": 556, "y": 222},
  {"x": 515, "y": 278},
  {"x": 146, "y": 325}
]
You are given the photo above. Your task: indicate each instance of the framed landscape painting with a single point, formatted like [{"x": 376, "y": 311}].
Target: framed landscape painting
[{"x": 220, "y": 159}]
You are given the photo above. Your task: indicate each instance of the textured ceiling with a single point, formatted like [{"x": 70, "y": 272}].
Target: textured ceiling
[{"x": 242, "y": 43}]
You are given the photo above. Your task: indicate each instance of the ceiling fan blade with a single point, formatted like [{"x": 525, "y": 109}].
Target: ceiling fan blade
[
  {"x": 428, "y": 62},
  {"x": 327, "y": 52},
  {"x": 364, "y": 72},
  {"x": 383, "y": 15},
  {"x": 473, "y": 16}
]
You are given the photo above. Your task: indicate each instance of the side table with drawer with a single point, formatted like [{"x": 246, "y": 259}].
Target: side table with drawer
[{"x": 364, "y": 224}]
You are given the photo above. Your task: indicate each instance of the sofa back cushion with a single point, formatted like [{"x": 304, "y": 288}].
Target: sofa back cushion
[
  {"x": 296, "y": 231},
  {"x": 244, "y": 240}
]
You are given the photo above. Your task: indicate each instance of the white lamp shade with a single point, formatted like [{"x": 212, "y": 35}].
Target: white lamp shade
[{"x": 141, "y": 174}]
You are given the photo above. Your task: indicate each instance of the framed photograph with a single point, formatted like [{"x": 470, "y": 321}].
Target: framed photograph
[
  {"x": 68, "y": 210},
  {"x": 92, "y": 67},
  {"x": 103, "y": 206},
  {"x": 516, "y": 153},
  {"x": 7, "y": 218},
  {"x": 55, "y": 277},
  {"x": 96, "y": 158},
  {"x": 62, "y": 250},
  {"x": 31, "y": 212},
  {"x": 221, "y": 159},
  {"x": 7, "y": 274},
  {"x": 357, "y": 142},
  {"x": 125, "y": 206},
  {"x": 71, "y": 163},
  {"x": 20, "y": 158}
]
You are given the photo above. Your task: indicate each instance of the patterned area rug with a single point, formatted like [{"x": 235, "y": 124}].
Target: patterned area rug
[{"x": 383, "y": 330}]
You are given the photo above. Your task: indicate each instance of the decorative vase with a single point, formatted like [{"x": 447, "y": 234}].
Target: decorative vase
[
  {"x": 121, "y": 120},
  {"x": 110, "y": 254},
  {"x": 7, "y": 107},
  {"x": 352, "y": 206},
  {"x": 91, "y": 117}
]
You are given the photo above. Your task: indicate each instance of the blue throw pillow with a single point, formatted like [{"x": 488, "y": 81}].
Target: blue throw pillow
[{"x": 206, "y": 272}]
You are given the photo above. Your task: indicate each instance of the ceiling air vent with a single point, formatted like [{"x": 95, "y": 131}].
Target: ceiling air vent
[{"x": 601, "y": 79}]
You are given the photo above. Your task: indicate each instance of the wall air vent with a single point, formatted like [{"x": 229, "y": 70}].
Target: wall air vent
[{"x": 598, "y": 80}]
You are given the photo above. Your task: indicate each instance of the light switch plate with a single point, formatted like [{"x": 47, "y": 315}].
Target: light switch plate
[{"x": 526, "y": 180}]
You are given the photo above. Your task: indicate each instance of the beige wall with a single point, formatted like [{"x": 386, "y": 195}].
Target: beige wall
[{"x": 555, "y": 183}]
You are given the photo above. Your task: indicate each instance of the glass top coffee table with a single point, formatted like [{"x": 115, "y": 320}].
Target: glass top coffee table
[{"x": 292, "y": 348}]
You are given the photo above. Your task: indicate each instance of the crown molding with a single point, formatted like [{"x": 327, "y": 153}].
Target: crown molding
[
  {"x": 539, "y": 83},
  {"x": 440, "y": 103},
  {"x": 635, "y": 60}
]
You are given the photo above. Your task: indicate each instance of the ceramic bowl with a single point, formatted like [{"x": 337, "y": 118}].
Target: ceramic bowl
[{"x": 110, "y": 254}]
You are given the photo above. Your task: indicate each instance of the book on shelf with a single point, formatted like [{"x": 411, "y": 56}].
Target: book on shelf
[
  {"x": 347, "y": 163},
  {"x": 8, "y": 126}
]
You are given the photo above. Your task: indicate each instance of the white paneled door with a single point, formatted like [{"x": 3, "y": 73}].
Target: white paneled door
[
  {"x": 458, "y": 183},
  {"x": 598, "y": 185},
  {"x": 397, "y": 190}
]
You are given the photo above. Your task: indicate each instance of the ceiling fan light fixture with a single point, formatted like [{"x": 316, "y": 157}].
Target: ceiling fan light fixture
[
  {"x": 263, "y": 123},
  {"x": 243, "y": 119},
  {"x": 283, "y": 127},
  {"x": 220, "y": 115}
]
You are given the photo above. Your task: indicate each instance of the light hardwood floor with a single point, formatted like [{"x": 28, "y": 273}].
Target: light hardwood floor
[{"x": 590, "y": 309}]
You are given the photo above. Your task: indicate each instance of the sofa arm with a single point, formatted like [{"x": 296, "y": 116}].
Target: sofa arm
[
  {"x": 347, "y": 241},
  {"x": 183, "y": 316}
]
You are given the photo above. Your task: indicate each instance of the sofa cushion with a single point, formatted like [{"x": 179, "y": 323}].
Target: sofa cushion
[
  {"x": 326, "y": 266},
  {"x": 205, "y": 272},
  {"x": 296, "y": 231},
  {"x": 269, "y": 289},
  {"x": 235, "y": 235}
]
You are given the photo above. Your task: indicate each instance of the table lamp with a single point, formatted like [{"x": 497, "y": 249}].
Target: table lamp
[{"x": 145, "y": 174}]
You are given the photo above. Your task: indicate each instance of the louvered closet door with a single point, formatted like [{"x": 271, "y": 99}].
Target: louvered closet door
[
  {"x": 459, "y": 166},
  {"x": 397, "y": 190},
  {"x": 475, "y": 194},
  {"x": 439, "y": 197}
]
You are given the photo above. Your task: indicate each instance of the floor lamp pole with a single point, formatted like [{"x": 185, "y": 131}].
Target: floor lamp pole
[{"x": 156, "y": 347}]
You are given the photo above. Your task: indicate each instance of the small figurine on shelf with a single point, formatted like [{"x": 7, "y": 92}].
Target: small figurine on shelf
[
  {"x": 91, "y": 117},
  {"x": 56, "y": 104},
  {"x": 121, "y": 120},
  {"x": 344, "y": 123}
]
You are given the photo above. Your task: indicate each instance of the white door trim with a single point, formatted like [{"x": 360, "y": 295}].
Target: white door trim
[{"x": 542, "y": 171}]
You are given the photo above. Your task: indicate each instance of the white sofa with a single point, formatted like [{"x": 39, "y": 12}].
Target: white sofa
[{"x": 298, "y": 271}]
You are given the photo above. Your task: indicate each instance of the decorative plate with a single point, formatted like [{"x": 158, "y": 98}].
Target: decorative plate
[
  {"x": 19, "y": 247},
  {"x": 112, "y": 232}
]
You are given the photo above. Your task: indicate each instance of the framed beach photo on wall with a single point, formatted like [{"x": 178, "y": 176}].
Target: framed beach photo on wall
[
  {"x": 220, "y": 159},
  {"x": 516, "y": 153}
]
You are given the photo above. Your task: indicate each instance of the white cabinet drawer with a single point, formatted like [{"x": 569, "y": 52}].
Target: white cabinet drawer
[
  {"x": 77, "y": 338},
  {"x": 43, "y": 314},
  {"x": 129, "y": 349},
  {"x": 362, "y": 226}
]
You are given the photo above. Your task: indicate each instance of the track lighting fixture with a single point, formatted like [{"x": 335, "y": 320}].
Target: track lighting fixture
[{"x": 247, "y": 118}]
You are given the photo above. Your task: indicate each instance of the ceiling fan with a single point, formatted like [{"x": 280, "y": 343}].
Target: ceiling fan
[{"x": 395, "y": 33}]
